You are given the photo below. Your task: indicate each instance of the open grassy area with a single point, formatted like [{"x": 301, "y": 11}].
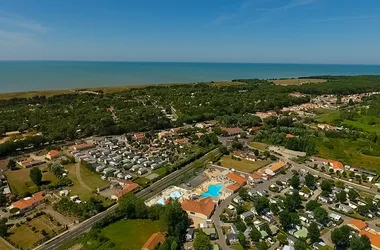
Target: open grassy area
[
  {"x": 226, "y": 83},
  {"x": 296, "y": 81},
  {"x": 125, "y": 234},
  {"x": 4, "y": 246},
  {"x": 358, "y": 154},
  {"x": 242, "y": 165},
  {"x": 131, "y": 234},
  {"x": 237, "y": 247},
  {"x": 77, "y": 188},
  {"x": 258, "y": 145},
  {"x": 141, "y": 181},
  {"x": 25, "y": 237},
  {"x": 160, "y": 171},
  {"x": 93, "y": 180},
  {"x": 20, "y": 182},
  {"x": 327, "y": 115}
]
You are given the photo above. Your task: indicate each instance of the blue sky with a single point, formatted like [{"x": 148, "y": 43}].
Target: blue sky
[{"x": 296, "y": 31}]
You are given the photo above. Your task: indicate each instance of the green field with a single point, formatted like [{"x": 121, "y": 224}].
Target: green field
[
  {"x": 359, "y": 154},
  {"x": 258, "y": 145},
  {"x": 25, "y": 237},
  {"x": 93, "y": 180},
  {"x": 242, "y": 165},
  {"x": 123, "y": 234},
  {"x": 20, "y": 182},
  {"x": 327, "y": 115}
]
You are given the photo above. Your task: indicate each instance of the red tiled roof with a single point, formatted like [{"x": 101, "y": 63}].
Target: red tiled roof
[
  {"x": 28, "y": 202},
  {"x": 183, "y": 140},
  {"x": 139, "y": 136},
  {"x": 232, "y": 131},
  {"x": 373, "y": 237},
  {"x": 153, "y": 241},
  {"x": 289, "y": 136},
  {"x": 236, "y": 178},
  {"x": 205, "y": 206},
  {"x": 238, "y": 153},
  {"x": 83, "y": 146},
  {"x": 128, "y": 186},
  {"x": 358, "y": 224},
  {"x": 255, "y": 175},
  {"x": 335, "y": 164},
  {"x": 233, "y": 187},
  {"x": 53, "y": 153},
  {"x": 26, "y": 161},
  {"x": 277, "y": 166}
]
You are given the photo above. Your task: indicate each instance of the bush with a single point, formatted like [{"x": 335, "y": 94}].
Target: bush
[
  {"x": 33, "y": 229},
  {"x": 28, "y": 219},
  {"x": 18, "y": 225}
]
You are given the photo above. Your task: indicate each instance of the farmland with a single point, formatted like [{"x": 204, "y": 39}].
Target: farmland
[{"x": 242, "y": 165}]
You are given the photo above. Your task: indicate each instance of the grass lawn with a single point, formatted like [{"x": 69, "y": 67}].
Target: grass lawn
[
  {"x": 327, "y": 115},
  {"x": 297, "y": 81},
  {"x": 242, "y": 165},
  {"x": 351, "y": 153},
  {"x": 20, "y": 181},
  {"x": 92, "y": 179},
  {"x": 141, "y": 181},
  {"x": 161, "y": 171},
  {"x": 130, "y": 234},
  {"x": 237, "y": 247},
  {"x": 24, "y": 236},
  {"x": 259, "y": 145}
]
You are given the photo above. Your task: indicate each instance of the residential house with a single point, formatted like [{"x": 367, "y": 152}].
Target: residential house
[
  {"x": 324, "y": 199},
  {"x": 234, "y": 229},
  {"x": 84, "y": 146},
  {"x": 210, "y": 232},
  {"x": 238, "y": 200},
  {"x": 232, "y": 238},
  {"x": 335, "y": 165},
  {"x": 138, "y": 136},
  {"x": 127, "y": 186},
  {"x": 345, "y": 208},
  {"x": 318, "y": 245},
  {"x": 52, "y": 154},
  {"x": 248, "y": 214},
  {"x": 238, "y": 179},
  {"x": 154, "y": 241},
  {"x": 335, "y": 217},
  {"x": 233, "y": 188},
  {"x": 181, "y": 141},
  {"x": 373, "y": 236},
  {"x": 30, "y": 162},
  {"x": 292, "y": 240},
  {"x": 232, "y": 131},
  {"x": 202, "y": 209},
  {"x": 28, "y": 203}
]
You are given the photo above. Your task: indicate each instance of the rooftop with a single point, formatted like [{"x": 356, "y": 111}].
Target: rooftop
[
  {"x": 29, "y": 201},
  {"x": 153, "y": 241},
  {"x": 236, "y": 178},
  {"x": 205, "y": 206}
]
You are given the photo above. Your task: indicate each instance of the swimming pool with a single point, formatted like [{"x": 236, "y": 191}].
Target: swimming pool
[
  {"x": 173, "y": 195},
  {"x": 213, "y": 190}
]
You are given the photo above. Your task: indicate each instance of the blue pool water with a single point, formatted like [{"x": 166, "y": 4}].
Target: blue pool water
[{"x": 213, "y": 191}]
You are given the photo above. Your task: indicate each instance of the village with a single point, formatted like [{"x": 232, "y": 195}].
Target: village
[{"x": 250, "y": 195}]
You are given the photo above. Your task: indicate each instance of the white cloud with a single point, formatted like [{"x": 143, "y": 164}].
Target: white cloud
[{"x": 12, "y": 21}]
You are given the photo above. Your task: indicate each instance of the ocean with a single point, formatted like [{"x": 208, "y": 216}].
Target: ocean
[{"x": 18, "y": 76}]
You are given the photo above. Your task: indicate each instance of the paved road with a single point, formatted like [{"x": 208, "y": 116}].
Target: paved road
[
  {"x": 86, "y": 225},
  {"x": 79, "y": 177}
]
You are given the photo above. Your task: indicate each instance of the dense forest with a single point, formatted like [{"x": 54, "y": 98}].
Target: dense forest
[{"x": 71, "y": 116}]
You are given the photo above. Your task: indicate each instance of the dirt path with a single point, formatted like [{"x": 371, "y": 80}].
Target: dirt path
[{"x": 80, "y": 178}]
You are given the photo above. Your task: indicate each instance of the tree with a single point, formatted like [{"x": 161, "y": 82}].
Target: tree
[
  {"x": 312, "y": 205},
  {"x": 255, "y": 235},
  {"x": 362, "y": 243},
  {"x": 11, "y": 164},
  {"x": 243, "y": 242},
  {"x": 261, "y": 203},
  {"x": 313, "y": 232},
  {"x": 36, "y": 176},
  {"x": 3, "y": 227},
  {"x": 262, "y": 245},
  {"x": 3, "y": 199},
  {"x": 326, "y": 186},
  {"x": 176, "y": 221},
  {"x": 266, "y": 228},
  {"x": 282, "y": 238},
  {"x": 289, "y": 220},
  {"x": 353, "y": 195},
  {"x": 223, "y": 150},
  {"x": 202, "y": 242},
  {"x": 321, "y": 215},
  {"x": 237, "y": 145},
  {"x": 341, "y": 196},
  {"x": 243, "y": 193},
  {"x": 274, "y": 208},
  {"x": 292, "y": 202},
  {"x": 300, "y": 245},
  {"x": 295, "y": 181},
  {"x": 310, "y": 181},
  {"x": 341, "y": 237},
  {"x": 339, "y": 184}
]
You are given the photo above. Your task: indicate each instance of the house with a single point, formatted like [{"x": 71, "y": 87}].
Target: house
[
  {"x": 64, "y": 193},
  {"x": 84, "y": 146},
  {"x": 142, "y": 171},
  {"x": 189, "y": 234},
  {"x": 164, "y": 134},
  {"x": 232, "y": 131},
  {"x": 154, "y": 241},
  {"x": 238, "y": 200},
  {"x": 287, "y": 247},
  {"x": 289, "y": 136},
  {"x": 30, "y": 162},
  {"x": 127, "y": 186},
  {"x": 318, "y": 245},
  {"x": 138, "y": 137},
  {"x": 292, "y": 240},
  {"x": 275, "y": 168},
  {"x": 324, "y": 199},
  {"x": 335, "y": 217},
  {"x": 357, "y": 225},
  {"x": 28, "y": 203},
  {"x": 248, "y": 214},
  {"x": 232, "y": 239},
  {"x": 233, "y": 188},
  {"x": 202, "y": 209},
  {"x": 346, "y": 209},
  {"x": 238, "y": 179},
  {"x": 181, "y": 141},
  {"x": 234, "y": 229},
  {"x": 52, "y": 154},
  {"x": 335, "y": 165}
]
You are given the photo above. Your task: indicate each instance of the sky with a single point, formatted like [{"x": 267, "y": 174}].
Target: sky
[{"x": 261, "y": 31}]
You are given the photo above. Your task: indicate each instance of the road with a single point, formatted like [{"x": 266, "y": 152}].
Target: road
[
  {"x": 147, "y": 193},
  {"x": 79, "y": 177}
]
